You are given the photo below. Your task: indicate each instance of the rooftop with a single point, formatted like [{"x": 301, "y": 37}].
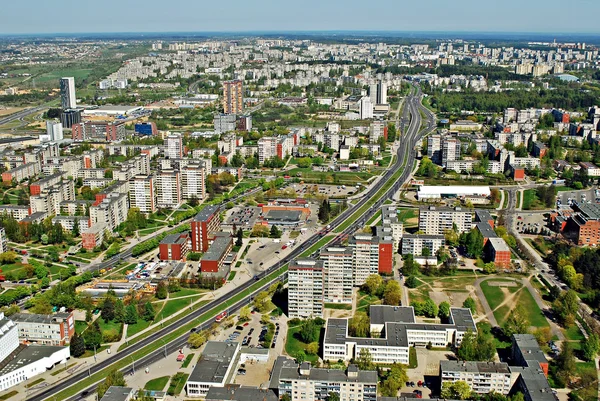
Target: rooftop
[
  {"x": 381, "y": 314},
  {"x": 235, "y": 392},
  {"x": 41, "y": 319},
  {"x": 218, "y": 248},
  {"x": 499, "y": 244},
  {"x": 175, "y": 239},
  {"x": 486, "y": 230},
  {"x": 28, "y": 355},
  {"x": 536, "y": 383},
  {"x": 306, "y": 263},
  {"x": 206, "y": 213},
  {"x": 330, "y": 375},
  {"x": 590, "y": 210},
  {"x": 118, "y": 393},
  {"x": 529, "y": 348},
  {"x": 214, "y": 363},
  {"x": 284, "y": 215},
  {"x": 474, "y": 367}
]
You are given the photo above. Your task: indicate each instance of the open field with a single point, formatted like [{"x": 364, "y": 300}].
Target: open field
[
  {"x": 157, "y": 384},
  {"x": 293, "y": 345}
]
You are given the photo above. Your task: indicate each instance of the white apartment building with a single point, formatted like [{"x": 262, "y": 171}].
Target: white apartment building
[
  {"x": 434, "y": 148},
  {"x": 376, "y": 131},
  {"x": 69, "y": 222},
  {"x": 393, "y": 331},
  {"x": 112, "y": 211},
  {"x": 337, "y": 274},
  {"x": 460, "y": 166},
  {"x": 365, "y": 250},
  {"x": 365, "y": 107},
  {"x": 173, "y": 146},
  {"x": 303, "y": 382},
  {"x": 482, "y": 377},
  {"x": 3, "y": 240},
  {"x": 267, "y": 148},
  {"x": 54, "y": 132},
  {"x": 450, "y": 150},
  {"x": 142, "y": 193},
  {"x": 437, "y": 220},
  {"x": 193, "y": 181},
  {"x": 414, "y": 244},
  {"x": 389, "y": 218},
  {"x": 305, "y": 288},
  {"x": 168, "y": 189}
]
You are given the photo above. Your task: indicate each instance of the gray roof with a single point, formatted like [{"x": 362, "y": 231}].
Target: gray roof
[
  {"x": 590, "y": 210},
  {"x": 218, "y": 247},
  {"x": 280, "y": 363},
  {"x": 29, "y": 355},
  {"x": 205, "y": 213},
  {"x": 214, "y": 362},
  {"x": 41, "y": 319},
  {"x": 173, "y": 239},
  {"x": 536, "y": 383},
  {"x": 529, "y": 348},
  {"x": 336, "y": 331},
  {"x": 331, "y": 375},
  {"x": 499, "y": 244},
  {"x": 306, "y": 263},
  {"x": 235, "y": 392},
  {"x": 117, "y": 393},
  {"x": 474, "y": 367},
  {"x": 463, "y": 318},
  {"x": 284, "y": 215},
  {"x": 486, "y": 230},
  {"x": 381, "y": 314},
  {"x": 483, "y": 215},
  {"x": 422, "y": 236}
]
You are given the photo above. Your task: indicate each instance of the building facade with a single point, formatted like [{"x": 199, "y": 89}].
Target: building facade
[{"x": 305, "y": 288}]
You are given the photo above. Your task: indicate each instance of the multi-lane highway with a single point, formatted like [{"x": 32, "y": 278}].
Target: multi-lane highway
[
  {"x": 20, "y": 115},
  {"x": 406, "y": 154}
]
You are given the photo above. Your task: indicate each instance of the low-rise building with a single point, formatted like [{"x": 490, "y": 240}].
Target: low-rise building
[
  {"x": 212, "y": 261},
  {"x": 118, "y": 393},
  {"x": 174, "y": 247},
  {"x": 215, "y": 368},
  {"x": 55, "y": 329},
  {"x": 590, "y": 169},
  {"x": 482, "y": 377}
]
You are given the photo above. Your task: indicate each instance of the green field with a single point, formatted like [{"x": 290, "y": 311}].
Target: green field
[
  {"x": 365, "y": 300},
  {"x": 406, "y": 214},
  {"x": 184, "y": 292},
  {"x": 231, "y": 276},
  {"x": 80, "y": 326},
  {"x": 339, "y": 306},
  {"x": 133, "y": 329},
  {"x": 174, "y": 306},
  {"x": 494, "y": 295},
  {"x": 188, "y": 360},
  {"x": 530, "y": 199},
  {"x": 293, "y": 345},
  {"x": 109, "y": 328},
  {"x": 54, "y": 76},
  {"x": 157, "y": 384},
  {"x": 348, "y": 178}
]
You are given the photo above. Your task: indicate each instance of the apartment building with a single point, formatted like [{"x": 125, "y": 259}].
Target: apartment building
[
  {"x": 224, "y": 123},
  {"x": 394, "y": 330},
  {"x": 482, "y": 377},
  {"x": 17, "y": 212},
  {"x": 377, "y": 130},
  {"x": 93, "y": 236},
  {"x": 55, "y": 329},
  {"x": 434, "y": 148},
  {"x": 303, "y": 382},
  {"x": 173, "y": 146},
  {"x": 168, "y": 189},
  {"x": 370, "y": 255},
  {"x": 389, "y": 218},
  {"x": 193, "y": 181},
  {"x": 233, "y": 101},
  {"x": 267, "y": 148},
  {"x": 497, "y": 251},
  {"x": 174, "y": 247},
  {"x": 437, "y": 220},
  {"x": 450, "y": 150},
  {"x": 142, "y": 193},
  {"x": 203, "y": 227},
  {"x": 415, "y": 244},
  {"x": 305, "y": 288},
  {"x": 590, "y": 169},
  {"x": 49, "y": 200},
  {"x": 212, "y": 262},
  {"x": 35, "y": 188},
  {"x": 215, "y": 368},
  {"x": 111, "y": 211},
  {"x": 3, "y": 240},
  {"x": 69, "y": 222},
  {"x": 21, "y": 172},
  {"x": 338, "y": 278}
]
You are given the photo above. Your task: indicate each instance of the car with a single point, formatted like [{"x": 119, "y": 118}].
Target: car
[
  {"x": 273, "y": 345},
  {"x": 276, "y": 251},
  {"x": 246, "y": 324},
  {"x": 239, "y": 328},
  {"x": 251, "y": 331}
]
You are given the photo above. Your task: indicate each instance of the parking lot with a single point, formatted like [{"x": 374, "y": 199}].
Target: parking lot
[
  {"x": 587, "y": 195},
  {"x": 531, "y": 222},
  {"x": 243, "y": 217},
  {"x": 329, "y": 190}
]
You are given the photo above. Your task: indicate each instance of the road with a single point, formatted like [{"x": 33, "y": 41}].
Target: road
[
  {"x": 21, "y": 115},
  {"x": 406, "y": 156}
]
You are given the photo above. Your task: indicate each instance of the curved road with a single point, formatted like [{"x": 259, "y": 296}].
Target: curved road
[{"x": 406, "y": 155}]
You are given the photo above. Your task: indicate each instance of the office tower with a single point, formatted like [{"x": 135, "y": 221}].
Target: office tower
[
  {"x": 67, "y": 93},
  {"x": 70, "y": 117},
  {"x": 378, "y": 93},
  {"x": 142, "y": 193},
  {"x": 233, "y": 101},
  {"x": 54, "y": 132},
  {"x": 305, "y": 288},
  {"x": 173, "y": 146}
]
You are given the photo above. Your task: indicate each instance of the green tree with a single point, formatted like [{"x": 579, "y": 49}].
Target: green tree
[
  {"x": 359, "y": 325},
  {"x": 411, "y": 282},
  {"x": 275, "y": 232},
  {"x": 313, "y": 348},
  {"x": 309, "y": 331},
  {"x": 458, "y": 390},
  {"x": 444, "y": 310},
  {"x": 240, "y": 237},
  {"x": 473, "y": 243},
  {"x": 77, "y": 345},
  {"x": 197, "y": 339},
  {"x": 393, "y": 381},
  {"x": 590, "y": 347},
  {"x": 565, "y": 364},
  {"x": 92, "y": 336},
  {"x": 131, "y": 314},
  {"x": 119, "y": 311},
  {"x": 409, "y": 266},
  {"x": 300, "y": 356},
  {"x": 245, "y": 314},
  {"x": 430, "y": 309},
  {"x": 392, "y": 294},
  {"x": 324, "y": 211},
  {"x": 471, "y": 304},
  {"x": 262, "y": 302},
  {"x": 333, "y": 396},
  {"x": 108, "y": 309},
  {"x": 372, "y": 284},
  {"x": 114, "y": 378},
  {"x": 161, "y": 290},
  {"x": 149, "y": 312},
  {"x": 364, "y": 361},
  {"x": 516, "y": 323}
]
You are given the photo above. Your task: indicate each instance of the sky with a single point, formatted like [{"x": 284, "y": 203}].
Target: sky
[{"x": 99, "y": 16}]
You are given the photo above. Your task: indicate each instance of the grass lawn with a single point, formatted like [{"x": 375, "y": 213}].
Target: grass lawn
[
  {"x": 494, "y": 295},
  {"x": 574, "y": 334},
  {"x": 174, "y": 306},
  {"x": 375, "y": 217},
  {"x": 9, "y": 395},
  {"x": 109, "y": 328},
  {"x": 294, "y": 344},
  {"x": 136, "y": 328},
  {"x": 365, "y": 300},
  {"x": 406, "y": 214},
  {"x": 339, "y": 306},
  {"x": 157, "y": 384},
  {"x": 518, "y": 198},
  {"x": 33, "y": 383},
  {"x": 80, "y": 326},
  {"x": 188, "y": 360},
  {"x": 534, "y": 313},
  {"x": 177, "y": 383},
  {"x": 88, "y": 353},
  {"x": 231, "y": 276},
  {"x": 294, "y": 234},
  {"x": 185, "y": 292},
  {"x": 530, "y": 199}
]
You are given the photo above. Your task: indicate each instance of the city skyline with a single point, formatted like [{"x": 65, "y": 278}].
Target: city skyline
[{"x": 38, "y": 17}]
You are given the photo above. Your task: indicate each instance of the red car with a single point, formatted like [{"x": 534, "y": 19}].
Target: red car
[
  {"x": 246, "y": 324},
  {"x": 283, "y": 247}
]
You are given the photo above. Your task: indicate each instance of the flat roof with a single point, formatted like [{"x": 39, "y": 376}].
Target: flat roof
[
  {"x": 474, "y": 367},
  {"x": 214, "y": 362},
  {"x": 117, "y": 393},
  {"x": 454, "y": 190},
  {"x": 499, "y": 244},
  {"x": 284, "y": 215},
  {"x": 29, "y": 355},
  {"x": 306, "y": 263},
  {"x": 529, "y": 348},
  {"x": 536, "y": 383},
  {"x": 423, "y": 236},
  {"x": 41, "y": 319},
  {"x": 174, "y": 239},
  {"x": 483, "y": 215},
  {"x": 486, "y": 230},
  {"x": 591, "y": 210},
  {"x": 218, "y": 247},
  {"x": 334, "y": 375},
  {"x": 463, "y": 318},
  {"x": 207, "y": 212},
  {"x": 235, "y": 392},
  {"x": 381, "y": 314}
]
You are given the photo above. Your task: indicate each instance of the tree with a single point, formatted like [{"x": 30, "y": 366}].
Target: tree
[
  {"x": 430, "y": 309},
  {"x": 490, "y": 268},
  {"x": 245, "y": 314},
  {"x": 77, "y": 345},
  {"x": 92, "y": 336},
  {"x": 114, "y": 378},
  {"x": 517, "y": 322},
  {"x": 470, "y": 303},
  {"x": 149, "y": 312},
  {"x": 333, "y": 396},
  {"x": 161, "y": 290},
  {"x": 411, "y": 282},
  {"x": 473, "y": 243},
  {"x": 275, "y": 232},
  {"x": 364, "y": 361},
  {"x": 108, "y": 309},
  {"x": 359, "y": 325},
  {"x": 543, "y": 335},
  {"x": 119, "y": 311},
  {"x": 262, "y": 302},
  {"x": 324, "y": 211},
  {"x": 565, "y": 364},
  {"x": 590, "y": 347},
  {"x": 300, "y": 356},
  {"x": 392, "y": 294},
  {"x": 240, "y": 237},
  {"x": 444, "y": 310},
  {"x": 42, "y": 306},
  {"x": 197, "y": 339},
  {"x": 131, "y": 314},
  {"x": 373, "y": 283},
  {"x": 566, "y": 307},
  {"x": 458, "y": 390},
  {"x": 313, "y": 348},
  {"x": 309, "y": 331},
  {"x": 409, "y": 266},
  {"x": 394, "y": 380},
  {"x": 8, "y": 257},
  {"x": 286, "y": 397}
]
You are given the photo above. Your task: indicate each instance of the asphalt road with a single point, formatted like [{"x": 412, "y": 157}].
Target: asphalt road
[
  {"x": 20, "y": 115},
  {"x": 406, "y": 152}
]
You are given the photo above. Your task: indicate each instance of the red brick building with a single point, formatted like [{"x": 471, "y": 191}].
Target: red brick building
[
  {"x": 213, "y": 260},
  {"x": 498, "y": 252},
  {"x": 583, "y": 227},
  {"x": 174, "y": 247},
  {"x": 204, "y": 225},
  {"x": 386, "y": 257}
]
